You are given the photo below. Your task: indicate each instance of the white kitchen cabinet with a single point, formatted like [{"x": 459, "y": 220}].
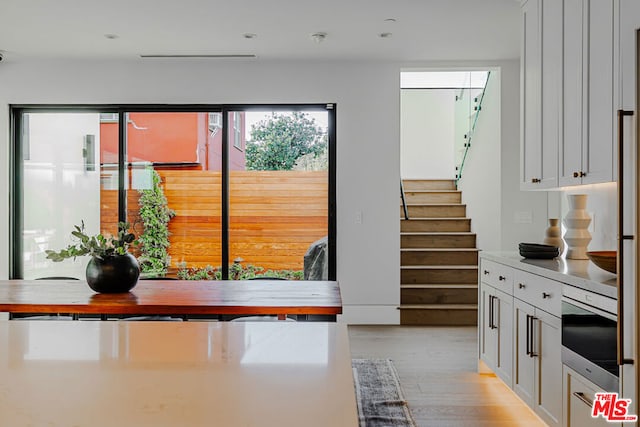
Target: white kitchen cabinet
[
  {"x": 496, "y": 331},
  {"x": 577, "y": 399},
  {"x": 587, "y": 144},
  {"x": 537, "y": 376},
  {"x": 541, "y": 81}
]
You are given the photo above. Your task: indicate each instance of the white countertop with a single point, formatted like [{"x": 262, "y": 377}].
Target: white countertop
[
  {"x": 579, "y": 273},
  {"x": 170, "y": 374}
]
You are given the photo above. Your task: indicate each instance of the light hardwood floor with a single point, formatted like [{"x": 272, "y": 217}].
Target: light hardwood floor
[{"x": 438, "y": 372}]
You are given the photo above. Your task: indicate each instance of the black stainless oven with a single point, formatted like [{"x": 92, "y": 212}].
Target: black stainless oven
[{"x": 589, "y": 333}]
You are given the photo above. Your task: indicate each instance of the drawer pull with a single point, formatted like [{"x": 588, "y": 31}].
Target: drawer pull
[
  {"x": 521, "y": 286},
  {"x": 502, "y": 278},
  {"x": 584, "y": 399},
  {"x": 486, "y": 272},
  {"x": 546, "y": 295}
]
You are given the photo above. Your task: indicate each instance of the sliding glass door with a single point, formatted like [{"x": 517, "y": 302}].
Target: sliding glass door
[{"x": 212, "y": 192}]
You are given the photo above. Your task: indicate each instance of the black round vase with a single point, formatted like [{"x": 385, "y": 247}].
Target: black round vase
[{"x": 113, "y": 274}]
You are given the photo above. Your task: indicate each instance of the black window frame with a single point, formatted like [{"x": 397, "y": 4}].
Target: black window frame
[{"x": 16, "y": 165}]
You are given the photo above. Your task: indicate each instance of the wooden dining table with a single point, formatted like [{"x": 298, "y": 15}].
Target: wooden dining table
[{"x": 175, "y": 297}]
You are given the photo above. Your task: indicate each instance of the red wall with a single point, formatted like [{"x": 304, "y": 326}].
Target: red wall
[{"x": 171, "y": 137}]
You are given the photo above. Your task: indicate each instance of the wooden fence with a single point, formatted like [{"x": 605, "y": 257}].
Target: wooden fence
[{"x": 274, "y": 216}]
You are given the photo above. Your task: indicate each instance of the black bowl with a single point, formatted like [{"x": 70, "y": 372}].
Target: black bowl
[
  {"x": 539, "y": 255},
  {"x": 537, "y": 247}
]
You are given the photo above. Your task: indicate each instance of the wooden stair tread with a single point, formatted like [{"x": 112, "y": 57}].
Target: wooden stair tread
[
  {"x": 438, "y": 306},
  {"x": 446, "y": 218},
  {"x": 437, "y": 233}
]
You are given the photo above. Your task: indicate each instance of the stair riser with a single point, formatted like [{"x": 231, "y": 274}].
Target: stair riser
[
  {"x": 426, "y": 276},
  {"x": 459, "y": 211},
  {"x": 426, "y": 198},
  {"x": 421, "y": 241},
  {"x": 439, "y": 258},
  {"x": 439, "y": 296},
  {"x": 435, "y": 225},
  {"x": 418, "y": 185},
  {"x": 439, "y": 317}
]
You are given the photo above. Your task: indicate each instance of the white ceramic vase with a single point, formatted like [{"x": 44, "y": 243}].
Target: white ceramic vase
[
  {"x": 553, "y": 235},
  {"x": 576, "y": 222}
]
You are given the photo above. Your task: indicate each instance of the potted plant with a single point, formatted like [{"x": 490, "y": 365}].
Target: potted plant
[{"x": 112, "y": 268}]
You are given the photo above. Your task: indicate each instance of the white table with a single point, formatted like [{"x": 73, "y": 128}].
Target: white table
[{"x": 175, "y": 374}]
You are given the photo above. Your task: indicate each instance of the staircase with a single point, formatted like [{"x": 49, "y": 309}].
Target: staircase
[{"x": 438, "y": 259}]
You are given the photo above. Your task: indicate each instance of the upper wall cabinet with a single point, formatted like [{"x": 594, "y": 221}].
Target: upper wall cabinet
[
  {"x": 587, "y": 143},
  {"x": 567, "y": 87},
  {"x": 541, "y": 82}
]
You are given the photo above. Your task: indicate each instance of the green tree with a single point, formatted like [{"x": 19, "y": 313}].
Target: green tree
[{"x": 276, "y": 143}]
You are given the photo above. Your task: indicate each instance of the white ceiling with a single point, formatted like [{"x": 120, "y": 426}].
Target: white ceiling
[{"x": 425, "y": 30}]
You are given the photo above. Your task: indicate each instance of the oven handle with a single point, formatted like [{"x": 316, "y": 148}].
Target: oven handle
[
  {"x": 621, "y": 238},
  {"x": 590, "y": 308},
  {"x": 584, "y": 399}
]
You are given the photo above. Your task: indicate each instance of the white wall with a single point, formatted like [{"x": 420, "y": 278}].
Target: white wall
[
  {"x": 501, "y": 215},
  {"x": 368, "y": 155},
  {"x": 427, "y": 129}
]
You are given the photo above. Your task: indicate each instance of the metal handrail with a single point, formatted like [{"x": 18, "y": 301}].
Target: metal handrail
[{"x": 404, "y": 201}]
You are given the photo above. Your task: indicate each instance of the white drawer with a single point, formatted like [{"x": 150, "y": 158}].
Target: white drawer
[
  {"x": 497, "y": 275},
  {"x": 538, "y": 291}
]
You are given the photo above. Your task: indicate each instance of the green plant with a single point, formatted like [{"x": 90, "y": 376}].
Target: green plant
[
  {"x": 155, "y": 216},
  {"x": 97, "y": 246},
  {"x": 236, "y": 272}
]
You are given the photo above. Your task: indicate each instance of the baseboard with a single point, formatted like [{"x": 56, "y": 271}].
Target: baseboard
[{"x": 370, "y": 315}]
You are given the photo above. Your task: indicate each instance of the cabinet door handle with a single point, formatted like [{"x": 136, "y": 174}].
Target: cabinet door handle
[
  {"x": 545, "y": 295},
  {"x": 576, "y": 174},
  {"x": 486, "y": 272},
  {"x": 502, "y": 278},
  {"x": 490, "y": 311},
  {"x": 521, "y": 286},
  {"x": 535, "y": 180},
  {"x": 527, "y": 337},
  {"x": 584, "y": 399},
  {"x": 531, "y": 336},
  {"x": 493, "y": 313},
  {"x": 582, "y": 174}
]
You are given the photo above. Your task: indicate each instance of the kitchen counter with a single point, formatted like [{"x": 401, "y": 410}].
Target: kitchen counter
[{"x": 582, "y": 274}]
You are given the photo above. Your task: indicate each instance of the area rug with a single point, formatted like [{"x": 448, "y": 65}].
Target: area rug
[{"x": 378, "y": 394}]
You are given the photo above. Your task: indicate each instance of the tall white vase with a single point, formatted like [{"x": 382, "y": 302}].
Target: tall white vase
[{"x": 576, "y": 222}]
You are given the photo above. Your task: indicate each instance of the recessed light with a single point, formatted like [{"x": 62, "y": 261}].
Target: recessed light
[
  {"x": 319, "y": 37},
  {"x": 385, "y": 35},
  {"x": 111, "y": 36},
  {"x": 249, "y": 35}
]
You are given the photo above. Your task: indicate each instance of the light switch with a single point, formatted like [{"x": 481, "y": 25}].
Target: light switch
[{"x": 358, "y": 218}]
